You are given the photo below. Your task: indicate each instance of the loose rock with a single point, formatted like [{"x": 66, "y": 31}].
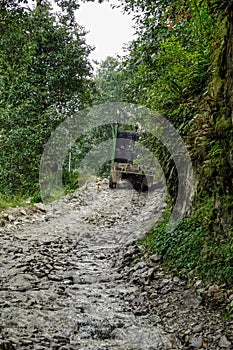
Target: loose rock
[{"x": 72, "y": 277}]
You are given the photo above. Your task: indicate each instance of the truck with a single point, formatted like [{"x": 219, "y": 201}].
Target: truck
[{"x": 124, "y": 165}]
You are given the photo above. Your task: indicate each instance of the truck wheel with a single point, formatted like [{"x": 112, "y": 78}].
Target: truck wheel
[
  {"x": 144, "y": 185},
  {"x": 111, "y": 183},
  {"x": 144, "y": 188}
]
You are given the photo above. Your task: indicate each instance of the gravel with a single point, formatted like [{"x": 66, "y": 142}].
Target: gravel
[{"x": 72, "y": 276}]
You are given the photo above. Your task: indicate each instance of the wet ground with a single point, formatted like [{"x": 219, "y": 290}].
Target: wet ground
[{"x": 72, "y": 277}]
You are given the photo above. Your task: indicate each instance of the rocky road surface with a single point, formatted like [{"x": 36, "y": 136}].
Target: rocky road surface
[{"x": 72, "y": 276}]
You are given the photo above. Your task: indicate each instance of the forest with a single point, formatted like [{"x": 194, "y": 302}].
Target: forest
[{"x": 180, "y": 65}]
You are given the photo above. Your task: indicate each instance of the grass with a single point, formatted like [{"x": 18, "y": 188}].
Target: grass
[
  {"x": 194, "y": 247},
  {"x": 11, "y": 201}
]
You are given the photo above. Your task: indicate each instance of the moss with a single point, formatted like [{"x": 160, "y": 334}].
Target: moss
[
  {"x": 223, "y": 124},
  {"x": 194, "y": 245}
]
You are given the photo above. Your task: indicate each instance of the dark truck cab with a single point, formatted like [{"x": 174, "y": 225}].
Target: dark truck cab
[{"x": 123, "y": 165}]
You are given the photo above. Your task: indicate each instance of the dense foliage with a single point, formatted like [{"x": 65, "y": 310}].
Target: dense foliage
[
  {"x": 45, "y": 76},
  {"x": 109, "y": 81}
]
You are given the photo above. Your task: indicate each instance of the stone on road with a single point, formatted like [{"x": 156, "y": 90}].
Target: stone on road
[{"x": 71, "y": 279}]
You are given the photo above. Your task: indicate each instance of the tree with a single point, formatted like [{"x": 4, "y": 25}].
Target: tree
[
  {"x": 109, "y": 80},
  {"x": 45, "y": 76}
]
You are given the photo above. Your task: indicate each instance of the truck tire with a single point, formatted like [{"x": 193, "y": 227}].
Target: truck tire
[
  {"x": 144, "y": 185},
  {"x": 144, "y": 188},
  {"x": 111, "y": 183}
]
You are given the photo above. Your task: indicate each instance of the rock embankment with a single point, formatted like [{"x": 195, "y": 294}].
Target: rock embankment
[{"x": 72, "y": 277}]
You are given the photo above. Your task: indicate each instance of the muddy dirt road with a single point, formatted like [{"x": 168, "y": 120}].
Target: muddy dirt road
[{"x": 71, "y": 278}]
